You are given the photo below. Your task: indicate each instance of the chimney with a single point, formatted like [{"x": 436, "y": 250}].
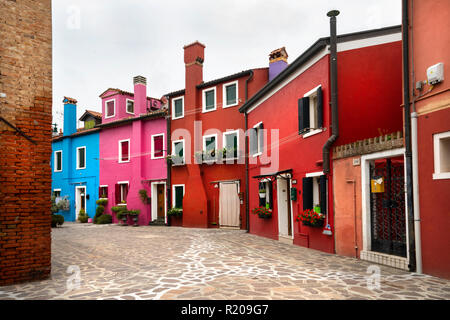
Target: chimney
[
  {"x": 194, "y": 55},
  {"x": 277, "y": 62},
  {"x": 140, "y": 95},
  {"x": 70, "y": 116}
]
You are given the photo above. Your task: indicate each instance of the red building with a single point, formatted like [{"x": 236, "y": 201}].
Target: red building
[
  {"x": 427, "y": 89},
  {"x": 207, "y": 144},
  {"x": 292, "y": 121}
]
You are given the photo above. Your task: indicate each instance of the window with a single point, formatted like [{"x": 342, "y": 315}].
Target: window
[
  {"x": 257, "y": 139},
  {"x": 209, "y": 147},
  {"x": 110, "y": 107},
  {"x": 58, "y": 161},
  {"x": 130, "y": 106},
  {"x": 178, "y": 108},
  {"x": 231, "y": 144},
  {"x": 103, "y": 191},
  {"x": 209, "y": 99},
  {"x": 310, "y": 112},
  {"x": 157, "y": 146},
  {"x": 178, "y": 152},
  {"x": 315, "y": 192},
  {"x": 230, "y": 94},
  {"x": 441, "y": 155},
  {"x": 124, "y": 151},
  {"x": 178, "y": 194},
  {"x": 57, "y": 193},
  {"x": 81, "y": 158},
  {"x": 122, "y": 192},
  {"x": 265, "y": 193},
  {"x": 89, "y": 124}
]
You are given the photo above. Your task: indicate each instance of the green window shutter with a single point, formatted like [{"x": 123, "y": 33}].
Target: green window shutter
[
  {"x": 261, "y": 137},
  {"x": 178, "y": 108},
  {"x": 307, "y": 193},
  {"x": 89, "y": 124},
  {"x": 323, "y": 193},
  {"x": 209, "y": 100},
  {"x": 81, "y": 158},
  {"x": 58, "y": 161},
  {"x": 231, "y": 145},
  {"x": 319, "y": 108},
  {"x": 231, "y": 94},
  {"x": 179, "y": 197},
  {"x": 303, "y": 114}
]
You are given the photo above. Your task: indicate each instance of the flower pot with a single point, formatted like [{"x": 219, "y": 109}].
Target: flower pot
[
  {"x": 317, "y": 224},
  {"x": 262, "y": 195},
  {"x": 135, "y": 220},
  {"x": 124, "y": 221},
  {"x": 265, "y": 216}
]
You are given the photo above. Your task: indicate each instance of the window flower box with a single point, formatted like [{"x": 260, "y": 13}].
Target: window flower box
[
  {"x": 263, "y": 212},
  {"x": 311, "y": 218}
]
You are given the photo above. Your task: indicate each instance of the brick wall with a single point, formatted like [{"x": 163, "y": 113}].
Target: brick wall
[{"x": 25, "y": 175}]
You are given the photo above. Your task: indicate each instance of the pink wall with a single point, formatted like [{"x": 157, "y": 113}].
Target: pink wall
[{"x": 141, "y": 166}]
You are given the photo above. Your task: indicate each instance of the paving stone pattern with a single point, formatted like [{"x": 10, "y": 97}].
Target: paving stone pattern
[{"x": 167, "y": 263}]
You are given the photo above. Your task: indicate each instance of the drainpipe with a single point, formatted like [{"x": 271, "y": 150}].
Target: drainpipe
[
  {"x": 247, "y": 197},
  {"x": 169, "y": 151},
  {"x": 408, "y": 153},
  {"x": 333, "y": 84},
  {"x": 415, "y": 158}
]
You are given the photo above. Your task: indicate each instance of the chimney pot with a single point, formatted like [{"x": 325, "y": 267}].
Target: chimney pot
[{"x": 140, "y": 80}]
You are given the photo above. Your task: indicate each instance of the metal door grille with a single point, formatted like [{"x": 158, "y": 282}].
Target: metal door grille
[{"x": 388, "y": 226}]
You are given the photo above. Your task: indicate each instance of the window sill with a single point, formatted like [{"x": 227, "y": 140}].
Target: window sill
[
  {"x": 124, "y": 161},
  {"x": 206, "y": 111},
  {"x": 121, "y": 204},
  {"x": 178, "y": 164},
  {"x": 312, "y": 133},
  {"x": 176, "y": 118},
  {"x": 229, "y": 106},
  {"x": 106, "y": 117},
  {"x": 441, "y": 175},
  {"x": 257, "y": 154},
  {"x": 156, "y": 158},
  {"x": 81, "y": 168}
]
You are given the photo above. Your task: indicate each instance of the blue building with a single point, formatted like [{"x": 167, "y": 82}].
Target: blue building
[{"x": 75, "y": 162}]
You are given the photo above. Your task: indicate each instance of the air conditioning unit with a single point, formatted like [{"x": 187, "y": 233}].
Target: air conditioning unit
[{"x": 435, "y": 73}]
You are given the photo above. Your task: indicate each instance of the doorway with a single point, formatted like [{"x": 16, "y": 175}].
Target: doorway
[
  {"x": 284, "y": 208},
  {"x": 158, "y": 195},
  {"x": 80, "y": 200},
  {"x": 229, "y": 205}
]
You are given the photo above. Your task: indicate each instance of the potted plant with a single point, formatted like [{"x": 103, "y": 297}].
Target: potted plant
[
  {"x": 101, "y": 203},
  {"x": 175, "y": 215},
  {"x": 262, "y": 193},
  {"x": 134, "y": 214},
  {"x": 121, "y": 213},
  {"x": 82, "y": 216},
  {"x": 57, "y": 219},
  {"x": 263, "y": 212},
  {"x": 311, "y": 218}
]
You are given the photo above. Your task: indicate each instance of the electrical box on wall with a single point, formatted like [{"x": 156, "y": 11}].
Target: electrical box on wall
[{"x": 435, "y": 74}]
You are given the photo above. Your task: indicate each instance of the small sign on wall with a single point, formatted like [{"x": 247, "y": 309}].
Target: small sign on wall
[{"x": 377, "y": 185}]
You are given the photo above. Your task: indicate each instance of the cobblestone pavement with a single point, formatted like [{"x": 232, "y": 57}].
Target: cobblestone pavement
[{"x": 178, "y": 263}]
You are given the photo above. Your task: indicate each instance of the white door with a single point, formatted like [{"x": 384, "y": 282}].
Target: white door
[
  {"x": 80, "y": 200},
  {"x": 284, "y": 208},
  {"x": 229, "y": 205}
]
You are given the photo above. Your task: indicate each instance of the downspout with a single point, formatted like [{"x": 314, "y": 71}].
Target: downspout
[
  {"x": 169, "y": 151},
  {"x": 408, "y": 153},
  {"x": 415, "y": 158},
  {"x": 247, "y": 197},
  {"x": 333, "y": 84}
]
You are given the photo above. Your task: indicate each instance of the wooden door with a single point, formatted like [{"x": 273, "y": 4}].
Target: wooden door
[
  {"x": 229, "y": 205},
  {"x": 161, "y": 203}
]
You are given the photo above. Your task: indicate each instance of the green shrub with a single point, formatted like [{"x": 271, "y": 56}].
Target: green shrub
[
  {"x": 82, "y": 216},
  {"x": 134, "y": 212},
  {"x": 175, "y": 212},
  {"x": 104, "y": 219},
  {"x": 57, "y": 220},
  {"x": 120, "y": 211},
  {"x": 102, "y": 202}
]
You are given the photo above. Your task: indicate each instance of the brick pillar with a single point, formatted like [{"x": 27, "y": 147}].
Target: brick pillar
[{"x": 25, "y": 175}]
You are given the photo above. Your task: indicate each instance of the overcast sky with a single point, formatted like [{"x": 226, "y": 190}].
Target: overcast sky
[{"x": 101, "y": 44}]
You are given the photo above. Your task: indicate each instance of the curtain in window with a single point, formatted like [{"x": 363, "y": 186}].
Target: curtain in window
[{"x": 124, "y": 151}]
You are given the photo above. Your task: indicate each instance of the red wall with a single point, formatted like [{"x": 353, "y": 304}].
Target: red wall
[{"x": 369, "y": 92}]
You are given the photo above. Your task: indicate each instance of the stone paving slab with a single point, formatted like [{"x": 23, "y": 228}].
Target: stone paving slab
[{"x": 171, "y": 263}]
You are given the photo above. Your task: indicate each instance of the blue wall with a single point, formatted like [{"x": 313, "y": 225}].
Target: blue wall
[{"x": 70, "y": 177}]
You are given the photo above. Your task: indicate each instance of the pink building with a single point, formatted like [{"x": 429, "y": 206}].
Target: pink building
[{"x": 132, "y": 151}]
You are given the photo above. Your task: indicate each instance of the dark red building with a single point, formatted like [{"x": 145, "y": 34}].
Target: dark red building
[
  {"x": 207, "y": 174},
  {"x": 291, "y": 120}
]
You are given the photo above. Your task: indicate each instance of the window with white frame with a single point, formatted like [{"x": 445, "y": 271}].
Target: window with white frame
[
  {"x": 231, "y": 144},
  {"x": 124, "y": 151},
  {"x": 315, "y": 192},
  {"x": 103, "y": 191},
  {"x": 110, "y": 108},
  {"x": 265, "y": 193},
  {"x": 210, "y": 147},
  {"x": 178, "y": 152},
  {"x": 257, "y": 139},
  {"x": 441, "y": 148},
  {"x": 177, "y": 108},
  {"x": 122, "y": 192},
  {"x": 57, "y": 193},
  {"x": 178, "y": 194},
  {"x": 209, "y": 99},
  {"x": 130, "y": 106},
  {"x": 81, "y": 158},
  {"x": 58, "y": 161},
  {"x": 310, "y": 112},
  {"x": 157, "y": 146},
  {"x": 230, "y": 94}
]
